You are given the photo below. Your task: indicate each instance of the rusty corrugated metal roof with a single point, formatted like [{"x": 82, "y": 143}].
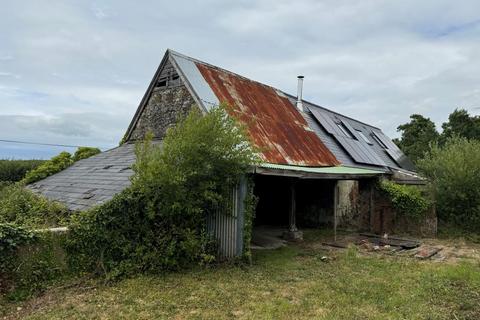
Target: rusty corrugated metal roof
[{"x": 273, "y": 122}]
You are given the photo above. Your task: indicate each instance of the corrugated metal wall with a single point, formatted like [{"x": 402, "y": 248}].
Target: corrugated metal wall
[{"x": 226, "y": 224}]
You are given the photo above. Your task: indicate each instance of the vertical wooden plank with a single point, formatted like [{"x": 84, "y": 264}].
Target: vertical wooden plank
[{"x": 335, "y": 209}]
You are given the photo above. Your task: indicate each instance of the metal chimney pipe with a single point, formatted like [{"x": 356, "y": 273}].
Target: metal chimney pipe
[{"x": 299, "y": 93}]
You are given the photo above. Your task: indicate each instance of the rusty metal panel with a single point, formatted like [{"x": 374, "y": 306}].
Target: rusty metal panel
[
  {"x": 273, "y": 122},
  {"x": 226, "y": 224}
]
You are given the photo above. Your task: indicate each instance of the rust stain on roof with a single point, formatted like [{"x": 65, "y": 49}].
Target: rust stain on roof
[{"x": 274, "y": 124}]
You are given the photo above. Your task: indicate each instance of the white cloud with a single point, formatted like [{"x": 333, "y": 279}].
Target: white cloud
[{"x": 378, "y": 61}]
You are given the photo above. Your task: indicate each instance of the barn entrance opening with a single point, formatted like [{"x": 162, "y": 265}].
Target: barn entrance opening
[{"x": 287, "y": 205}]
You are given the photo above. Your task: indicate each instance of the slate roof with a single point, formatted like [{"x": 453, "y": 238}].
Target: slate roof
[{"x": 91, "y": 181}]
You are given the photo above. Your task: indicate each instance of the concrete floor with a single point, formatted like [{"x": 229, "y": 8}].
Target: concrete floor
[{"x": 268, "y": 237}]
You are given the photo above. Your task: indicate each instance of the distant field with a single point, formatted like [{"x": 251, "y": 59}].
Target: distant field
[
  {"x": 15, "y": 170},
  {"x": 288, "y": 283}
]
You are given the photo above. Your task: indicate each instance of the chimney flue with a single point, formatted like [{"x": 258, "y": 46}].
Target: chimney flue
[{"x": 299, "y": 93}]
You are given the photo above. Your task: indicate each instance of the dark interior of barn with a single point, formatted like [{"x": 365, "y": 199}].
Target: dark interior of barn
[{"x": 313, "y": 201}]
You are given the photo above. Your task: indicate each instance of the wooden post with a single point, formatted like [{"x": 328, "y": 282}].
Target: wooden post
[
  {"x": 292, "y": 223},
  {"x": 372, "y": 206},
  {"x": 293, "y": 233},
  {"x": 335, "y": 205}
]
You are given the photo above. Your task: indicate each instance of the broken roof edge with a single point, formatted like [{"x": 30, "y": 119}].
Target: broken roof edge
[{"x": 333, "y": 172}]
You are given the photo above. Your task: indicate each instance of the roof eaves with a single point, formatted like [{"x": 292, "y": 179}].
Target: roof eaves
[{"x": 328, "y": 170}]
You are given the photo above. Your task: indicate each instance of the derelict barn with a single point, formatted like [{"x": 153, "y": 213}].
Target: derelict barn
[{"x": 319, "y": 167}]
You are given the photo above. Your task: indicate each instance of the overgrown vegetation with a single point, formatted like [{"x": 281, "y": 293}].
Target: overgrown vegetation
[
  {"x": 52, "y": 166},
  {"x": 11, "y": 237},
  {"x": 22, "y": 207},
  {"x": 407, "y": 200},
  {"x": 250, "y": 205},
  {"x": 454, "y": 173},
  {"x": 84, "y": 153},
  {"x": 28, "y": 260},
  {"x": 15, "y": 170},
  {"x": 159, "y": 222},
  {"x": 58, "y": 163}
]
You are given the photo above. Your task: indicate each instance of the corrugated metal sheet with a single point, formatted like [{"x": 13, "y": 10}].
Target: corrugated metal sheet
[
  {"x": 329, "y": 170},
  {"x": 226, "y": 224},
  {"x": 273, "y": 122}
]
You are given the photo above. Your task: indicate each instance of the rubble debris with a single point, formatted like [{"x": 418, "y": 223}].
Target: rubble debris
[
  {"x": 427, "y": 252},
  {"x": 335, "y": 245},
  {"x": 392, "y": 241}
]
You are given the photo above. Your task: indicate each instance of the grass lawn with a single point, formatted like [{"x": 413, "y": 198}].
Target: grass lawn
[{"x": 288, "y": 283}]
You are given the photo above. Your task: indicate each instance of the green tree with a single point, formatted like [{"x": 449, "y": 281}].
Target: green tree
[
  {"x": 461, "y": 124},
  {"x": 417, "y": 136},
  {"x": 453, "y": 171},
  {"x": 159, "y": 222}
]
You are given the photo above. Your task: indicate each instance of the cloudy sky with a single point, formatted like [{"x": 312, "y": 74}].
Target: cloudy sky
[{"x": 73, "y": 72}]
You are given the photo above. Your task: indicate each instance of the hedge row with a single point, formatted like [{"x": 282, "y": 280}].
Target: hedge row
[{"x": 15, "y": 170}]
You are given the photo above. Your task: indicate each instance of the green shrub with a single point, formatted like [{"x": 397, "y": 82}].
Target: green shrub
[
  {"x": 159, "y": 222},
  {"x": 406, "y": 200},
  {"x": 4, "y": 184},
  {"x": 15, "y": 170},
  {"x": 58, "y": 163},
  {"x": 52, "y": 166},
  {"x": 23, "y": 207},
  {"x": 28, "y": 260},
  {"x": 84, "y": 153},
  {"x": 454, "y": 172},
  {"x": 11, "y": 237}
]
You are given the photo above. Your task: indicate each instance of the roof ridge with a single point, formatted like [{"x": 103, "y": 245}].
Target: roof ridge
[
  {"x": 263, "y": 84},
  {"x": 219, "y": 68}
]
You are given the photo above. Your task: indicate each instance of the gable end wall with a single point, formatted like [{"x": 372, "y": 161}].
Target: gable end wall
[{"x": 165, "y": 106}]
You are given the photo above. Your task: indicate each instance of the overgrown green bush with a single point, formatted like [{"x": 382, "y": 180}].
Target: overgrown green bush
[
  {"x": 58, "y": 163},
  {"x": 454, "y": 172},
  {"x": 84, "y": 153},
  {"x": 21, "y": 206},
  {"x": 11, "y": 237},
  {"x": 29, "y": 260},
  {"x": 15, "y": 170},
  {"x": 159, "y": 222},
  {"x": 52, "y": 166},
  {"x": 407, "y": 200}
]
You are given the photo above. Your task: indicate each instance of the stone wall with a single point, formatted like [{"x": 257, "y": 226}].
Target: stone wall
[
  {"x": 347, "y": 206},
  {"x": 362, "y": 207},
  {"x": 377, "y": 215},
  {"x": 165, "y": 107}
]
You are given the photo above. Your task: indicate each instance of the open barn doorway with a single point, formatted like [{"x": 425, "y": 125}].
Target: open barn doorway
[{"x": 311, "y": 199}]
